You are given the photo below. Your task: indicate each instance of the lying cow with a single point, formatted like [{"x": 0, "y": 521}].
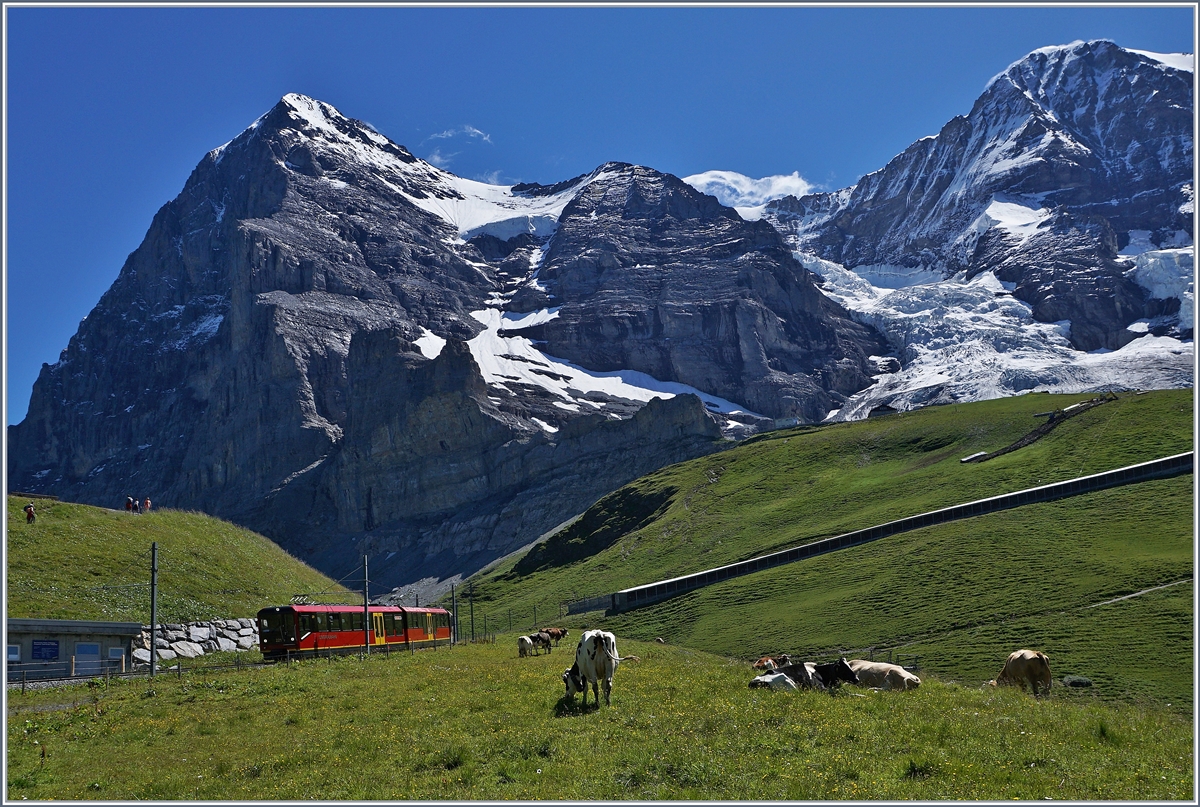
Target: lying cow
[
  {"x": 807, "y": 675},
  {"x": 831, "y": 674},
  {"x": 881, "y": 675},
  {"x": 769, "y": 663},
  {"x": 774, "y": 680},
  {"x": 524, "y": 646},
  {"x": 1026, "y": 667},
  {"x": 595, "y": 660}
]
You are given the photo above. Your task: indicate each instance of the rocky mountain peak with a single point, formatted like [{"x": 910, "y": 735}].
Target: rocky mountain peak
[{"x": 1087, "y": 132}]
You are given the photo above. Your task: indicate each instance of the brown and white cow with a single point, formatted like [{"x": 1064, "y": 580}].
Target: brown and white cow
[
  {"x": 881, "y": 675},
  {"x": 556, "y": 634},
  {"x": 1023, "y": 667},
  {"x": 772, "y": 662}
]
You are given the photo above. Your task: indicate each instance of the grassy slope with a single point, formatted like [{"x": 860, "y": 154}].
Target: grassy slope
[
  {"x": 207, "y": 567},
  {"x": 476, "y": 722},
  {"x": 960, "y": 595}
]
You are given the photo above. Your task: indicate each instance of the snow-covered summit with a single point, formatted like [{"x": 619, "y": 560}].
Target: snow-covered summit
[{"x": 471, "y": 207}]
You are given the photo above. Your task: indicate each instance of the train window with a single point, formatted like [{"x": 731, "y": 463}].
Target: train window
[
  {"x": 356, "y": 621},
  {"x": 307, "y": 624},
  {"x": 277, "y": 626},
  {"x": 320, "y": 622},
  {"x": 335, "y": 621}
]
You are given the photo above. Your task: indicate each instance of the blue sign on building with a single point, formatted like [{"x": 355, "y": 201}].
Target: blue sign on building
[{"x": 45, "y": 649}]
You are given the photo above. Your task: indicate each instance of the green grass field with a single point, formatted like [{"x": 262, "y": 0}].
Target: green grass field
[
  {"x": 82, "y": 562},
  {"x": 476, "y": 722},
  {"x": 959, "y": 596}
]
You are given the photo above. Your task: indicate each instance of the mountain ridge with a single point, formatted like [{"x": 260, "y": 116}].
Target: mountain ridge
[{"x": 528, "y": 329}]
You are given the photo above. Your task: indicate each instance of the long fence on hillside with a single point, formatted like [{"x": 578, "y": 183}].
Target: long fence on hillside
[{"x": 638, "y": 596}]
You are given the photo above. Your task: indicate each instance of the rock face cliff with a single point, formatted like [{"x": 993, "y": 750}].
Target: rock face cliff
[
  {"x": 1067, "y": 156},
  {"x": 331, "y": 342}
]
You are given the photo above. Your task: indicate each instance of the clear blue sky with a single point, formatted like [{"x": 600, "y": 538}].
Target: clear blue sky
[{"x": 110, "y": 109}]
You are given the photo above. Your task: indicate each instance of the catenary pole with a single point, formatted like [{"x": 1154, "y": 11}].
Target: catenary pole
[
  {"x": 366, "y": 610},
  {"x": 153, "y": 605}
]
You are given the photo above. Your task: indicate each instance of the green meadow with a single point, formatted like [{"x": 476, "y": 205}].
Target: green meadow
[{"x": 476, "y": 722}]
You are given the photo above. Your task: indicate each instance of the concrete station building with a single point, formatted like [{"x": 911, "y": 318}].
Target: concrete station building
[{"x": 54, "y": 648}]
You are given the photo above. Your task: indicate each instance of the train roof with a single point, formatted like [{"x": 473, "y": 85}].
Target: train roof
[{"x": 324, "y": 609}]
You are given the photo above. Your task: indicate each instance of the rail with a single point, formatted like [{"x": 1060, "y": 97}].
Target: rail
[{"x": 639, "y": 596}]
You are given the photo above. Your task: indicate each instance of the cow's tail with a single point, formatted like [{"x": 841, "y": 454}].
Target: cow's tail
[{"x": 612, "y": 653}]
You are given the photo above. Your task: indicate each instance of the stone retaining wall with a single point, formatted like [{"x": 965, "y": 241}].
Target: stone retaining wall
[{"x": 192, "y": 639}]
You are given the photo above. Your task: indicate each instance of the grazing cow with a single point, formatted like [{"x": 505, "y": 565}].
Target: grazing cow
[
  {"x": 773, "y": 680},
  {"x": 1026, "y": 667},
  {"x": 595, "y": 660},
  {"x": 557, "y": 634},
  {"x": 540, "y": 639},
  {"x": 881, "y": 675},
  {"x": 524, "y": 646}
]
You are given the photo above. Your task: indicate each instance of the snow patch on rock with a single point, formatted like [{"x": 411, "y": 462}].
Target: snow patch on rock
[{"x": 511, "y": 358}]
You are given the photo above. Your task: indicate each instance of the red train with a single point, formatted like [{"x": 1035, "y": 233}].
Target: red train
[{"x": 297, "y": 631}]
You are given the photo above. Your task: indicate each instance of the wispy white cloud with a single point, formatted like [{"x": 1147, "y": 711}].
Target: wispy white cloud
[
  {"x": 737, "y": 190},
  {"x": 491, "y": 177},
  {"x": 442, "y": 161},
  {"x": 465, "y": 129}
]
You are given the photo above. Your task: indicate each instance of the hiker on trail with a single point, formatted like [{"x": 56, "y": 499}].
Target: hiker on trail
[
  {"x": 146, "y": 505},
  {"x": 30, "y": 517},
  {"x": 137, "y": 507},
  {"x": 128, "y": 504}
]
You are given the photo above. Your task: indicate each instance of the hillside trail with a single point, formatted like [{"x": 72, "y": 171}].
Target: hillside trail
[
  {"x": 1140, "y": 593},
  {"x": 927, "y": 637}
]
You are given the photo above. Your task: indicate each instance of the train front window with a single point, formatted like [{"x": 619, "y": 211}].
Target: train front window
[{"x": 276, "y": 626}]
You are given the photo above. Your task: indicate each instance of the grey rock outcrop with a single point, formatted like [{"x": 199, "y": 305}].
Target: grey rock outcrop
[{"x": 651, "y": 275}]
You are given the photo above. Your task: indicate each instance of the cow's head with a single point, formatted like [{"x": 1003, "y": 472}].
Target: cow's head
[
  {"x": 573, "y": 680},
  {"x": 842, "y": 671}
]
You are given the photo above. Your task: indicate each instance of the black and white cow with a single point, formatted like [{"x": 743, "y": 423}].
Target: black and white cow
[{"x": 595, "y": 660}]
